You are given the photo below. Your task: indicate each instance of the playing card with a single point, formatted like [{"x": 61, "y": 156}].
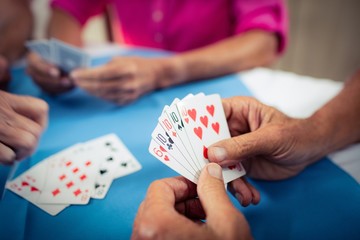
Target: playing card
[
  {"x": 161, "y": 137},
  {"x": 166, "y": 124},
  {"x": 68, "y": 57},
  {"x": 115, "y": 161},
  {"x": 42, "y": 48},
  {"x": 162, "y": 154},
  {"x": 70, "y": 177},
  {"x": 178, "y": 126},
  {"x": 205, "y": 123},
  {"x": 29, "y": 184}
]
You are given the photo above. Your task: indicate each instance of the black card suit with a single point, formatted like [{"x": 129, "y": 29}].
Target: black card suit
[{"x": 103, "y": 171}]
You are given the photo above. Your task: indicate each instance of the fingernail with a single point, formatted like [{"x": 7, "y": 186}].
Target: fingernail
[
  {"x": 238, "y": 197},
  {"x": 220, "y": 153},
  {"x": 215, "y": 170},
  {"x": 54, "y": 72}
]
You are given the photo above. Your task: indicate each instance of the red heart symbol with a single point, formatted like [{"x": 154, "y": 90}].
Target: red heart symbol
[
  {"x": 186, "y": 120},
  {"x": 174, "y": 134},
  {"x": 192, "y": 114},
  {"x": 205, "y": 152},
  {"x": 34, "y": 189},
  {"x": 25, "y": 183},
  {"x": 210, "y": 109},
  {"x": 232, "y": 167},
  {"x": 204, "y": 120},
  {"x": 166, "y": 158},
  {"x": 216, "y": 127},
  {"x": 162, "y": 149},
  {"x": 198, "y": 132}
]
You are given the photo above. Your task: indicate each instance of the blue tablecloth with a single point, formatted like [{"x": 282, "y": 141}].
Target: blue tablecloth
[{"x": 321, "y": 203}]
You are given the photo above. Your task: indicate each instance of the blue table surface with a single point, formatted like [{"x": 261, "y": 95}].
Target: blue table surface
[{"x": 320, "y": 203}]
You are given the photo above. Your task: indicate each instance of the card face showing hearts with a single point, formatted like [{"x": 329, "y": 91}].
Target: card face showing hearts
[
  {"x": 28, "y": 185},
  {"x": 76, "y": 174},
  {"x": 162, "y": 154},
  {"x": 196, "y": 122}
]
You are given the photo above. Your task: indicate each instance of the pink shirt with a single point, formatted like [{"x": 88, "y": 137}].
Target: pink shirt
[{"x": 181, "y": 25}]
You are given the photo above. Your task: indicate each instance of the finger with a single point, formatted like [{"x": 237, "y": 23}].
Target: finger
[
  {"x": 104, "y": 72},
  {"x": 32, "y": 108},
  {"x": 22, "y": 142},
  {"x": 244, "y": 192},
  {"x": 39, "y": 67},
  {"x": 217, "y": 205},
  {"x": 191, "y": 209},
  {"x": 7, "y": 155},
  {"x": 229, "y": 151},
  {"x": 158, "y": 210}
]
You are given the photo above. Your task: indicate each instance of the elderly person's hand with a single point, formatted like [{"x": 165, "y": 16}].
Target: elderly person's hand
[
  {"x": 174, "y": 207},
  {"x": 22, "y": 121},
  {"x": 47, "y": 75}
]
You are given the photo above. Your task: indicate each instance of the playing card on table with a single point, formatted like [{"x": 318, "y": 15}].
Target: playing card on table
[
  {"x": 70, "y": 177},
  {"x": 198, "y": 121},
  {"x": 115, "y": 161},
  {"x": 75, "y": 174},
  {"x": 29, "y": 184}
]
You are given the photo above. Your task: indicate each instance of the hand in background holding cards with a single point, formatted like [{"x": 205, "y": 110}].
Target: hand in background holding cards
[
  {"x": 22, "y": 121},
  {"x": 47, "y": 75},
  {"x": 171, "y": 210},
  {"x": 122, "y": 80}
]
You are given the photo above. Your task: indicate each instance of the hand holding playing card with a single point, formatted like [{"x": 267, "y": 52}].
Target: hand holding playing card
[
  {"x": 168, "y": 200},
  {"x": 51, "y": 61},
  {"x": 47, "y": 75},
  {"x": 271, "y": 145},
  {"x": 185, "y": 130},
  {"x": 122, "y": 80}
]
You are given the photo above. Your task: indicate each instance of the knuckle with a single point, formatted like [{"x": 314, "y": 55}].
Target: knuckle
[{"x": 26, "y": 141}]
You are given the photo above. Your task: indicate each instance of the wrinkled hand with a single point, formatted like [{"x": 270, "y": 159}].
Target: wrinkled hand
[
  {"x": 171, "y": 210},
  {"x": 270, "y": 145},
  {"x": 22, "y": 120},
  {"x": 122, "y": 80},
  {"x": 47, "y": 76},
  {"x": 4, "y": 73}
]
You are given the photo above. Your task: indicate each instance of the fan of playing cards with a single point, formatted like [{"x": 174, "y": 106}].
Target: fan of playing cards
[
  {"x": 76, "y": 174},
  {"x": 186, "y": 129},
  {"x": 65, "y": 56}
]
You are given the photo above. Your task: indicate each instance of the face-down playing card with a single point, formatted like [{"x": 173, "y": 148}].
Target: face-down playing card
[{"x": 68, "y": 57}]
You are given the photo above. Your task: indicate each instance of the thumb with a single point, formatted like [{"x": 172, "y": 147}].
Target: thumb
[
  {"x": 232, "y": 150},
  {"x": 212, "y": 194}
]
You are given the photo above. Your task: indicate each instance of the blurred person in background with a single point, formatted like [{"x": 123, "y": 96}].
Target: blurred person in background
[{"x": 209, "y": 39}]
